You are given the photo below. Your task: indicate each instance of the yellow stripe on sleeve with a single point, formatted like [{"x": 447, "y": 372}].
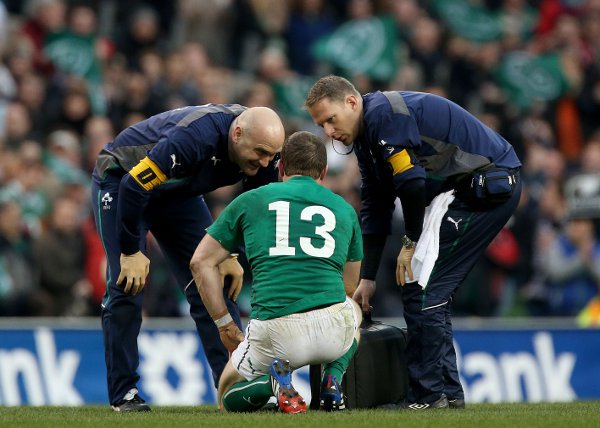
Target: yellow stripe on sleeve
[
  {"x": 148, "y": 174},
  {"x": 400, "y": 162}
]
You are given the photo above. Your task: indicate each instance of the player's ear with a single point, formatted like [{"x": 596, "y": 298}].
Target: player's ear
[
  {"x": 280, "y": 169},
  {"x": 237, "y": 133},
  {"x": 352, "y": 101}
]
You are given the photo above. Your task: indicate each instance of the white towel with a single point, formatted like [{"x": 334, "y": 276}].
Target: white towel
[{"x": 428, "y": 247}]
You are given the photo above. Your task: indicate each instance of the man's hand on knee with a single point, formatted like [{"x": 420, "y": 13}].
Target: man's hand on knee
[
  {"x": 134, "y": 270},
  {"x": 230, "y": 334},
  {"x": 231, "y": 267}
]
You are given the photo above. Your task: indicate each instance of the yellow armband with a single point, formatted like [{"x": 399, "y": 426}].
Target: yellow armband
[
  {"x": 147, "y": 174},
  {"x": 400, "y": 162}
]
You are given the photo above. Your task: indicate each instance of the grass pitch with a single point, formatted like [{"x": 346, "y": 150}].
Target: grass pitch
[{"x": 583, "y": 414}]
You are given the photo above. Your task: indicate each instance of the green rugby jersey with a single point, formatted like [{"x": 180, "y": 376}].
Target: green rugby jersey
[{"x": 298, "y": 236}]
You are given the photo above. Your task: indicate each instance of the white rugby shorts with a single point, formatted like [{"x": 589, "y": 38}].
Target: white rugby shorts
[{"x": 314, "y": 337}]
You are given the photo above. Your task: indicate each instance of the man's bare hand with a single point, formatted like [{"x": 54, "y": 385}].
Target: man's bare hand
[
  {"x": 231, "y": 267},
  {"x": 404, "y": 265},
  {"x": 134, "y": 270},
  {"x": 231, "y": 336},
  {"x": 363, "y": 293}
]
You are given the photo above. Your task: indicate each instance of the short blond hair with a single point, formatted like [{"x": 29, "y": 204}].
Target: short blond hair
[{"x": 335, "y": 88}]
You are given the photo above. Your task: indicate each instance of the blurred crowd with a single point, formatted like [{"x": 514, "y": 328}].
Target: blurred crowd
[{"x": 75, "y": 73}]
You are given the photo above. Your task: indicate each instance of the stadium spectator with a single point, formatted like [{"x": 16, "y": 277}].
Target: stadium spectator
[
  {"x": 60, "y": 256},
  {"x": 426, "y": 49},
  {"x": 19, "y": 294},
  {"x": 305, "y": 233},
  {"x": 75, "y": 108},
  {"x": 590, "y": 157},
  {"x": 135, "y": 97},
  {"x": 44, "y": 17},
  {"x": 152, "y": 64},
  {"x": 142, "y": 33},
  {"x": 64, "y": 147},
  {"x": 209, "y": 24},
  {"x": 309, "y": 20},
  {"x": 256, "y": 23},
  {"x": 78, "y": 51},
  {"x": 570, "y": 265},
  {"x": 17, "y": 125},
  {"x": 30, "y": 184},
  {"x": 152, "y": 178},
  {"x": 19, "y": 59},
  {"x": 98, "y": 132},
  {"x": 259, "y": 93},
  {"x": 63, "y": 157},
  {"x": 176, "y": 86},
  {"x": 472, "y": 189},
  {"x": 32, "y": 94}
]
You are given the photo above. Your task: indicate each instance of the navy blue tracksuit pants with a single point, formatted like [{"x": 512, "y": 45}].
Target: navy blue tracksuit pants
[
  {"x": 465, "y": 233},
  {"x": 178, "y": 224}
]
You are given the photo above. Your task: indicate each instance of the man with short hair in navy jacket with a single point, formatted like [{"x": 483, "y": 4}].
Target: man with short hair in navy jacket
[
  {"x": 416, "y": 146},
  {"x": 152, "y": 178}
]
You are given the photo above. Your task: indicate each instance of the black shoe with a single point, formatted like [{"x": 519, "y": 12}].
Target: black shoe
[
  {"x": 132, "y": 402},
  {"x": 456, "y": 403},
  {"x": 440, "y": 403}
]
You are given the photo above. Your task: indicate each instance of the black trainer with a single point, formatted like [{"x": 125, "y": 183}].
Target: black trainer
[
  {"x": 456, "y": 403},
  {"x": 440, "y": 403},
  {"x": 132, "y": 402}
]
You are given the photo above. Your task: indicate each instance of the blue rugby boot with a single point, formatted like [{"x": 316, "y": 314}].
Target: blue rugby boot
[{"x": 331, "y": 395}]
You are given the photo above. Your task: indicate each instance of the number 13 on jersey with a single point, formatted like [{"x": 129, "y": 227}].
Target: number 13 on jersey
[{"x": 282, "y": 230}]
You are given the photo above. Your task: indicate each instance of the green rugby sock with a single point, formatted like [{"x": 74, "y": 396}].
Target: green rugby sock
[
  {"x": 338, "y": 367},
  {"x": 248, "y": 396}
]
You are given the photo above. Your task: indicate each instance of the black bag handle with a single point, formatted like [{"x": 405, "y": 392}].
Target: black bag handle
[{"x": 367, "y": 320}]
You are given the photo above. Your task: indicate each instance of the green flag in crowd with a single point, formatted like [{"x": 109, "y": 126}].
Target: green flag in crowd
[
  {"x": 470, "y": 21},
  {"x": 290, "y": 94},
  {"x": 527, "y": 78},
  {"x": 477, "y": 23},
  {"x": 76, "y": 54},
  {"x": 365, "y": 46}
]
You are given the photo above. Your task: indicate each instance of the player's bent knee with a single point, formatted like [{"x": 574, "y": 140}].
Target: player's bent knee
[{"x": 229, "y": 377}]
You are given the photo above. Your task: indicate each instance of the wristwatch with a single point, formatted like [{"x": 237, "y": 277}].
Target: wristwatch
[{"x": 408, "y": 243}]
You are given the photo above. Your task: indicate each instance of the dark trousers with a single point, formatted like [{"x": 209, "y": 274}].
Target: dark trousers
[
  {"x": 465, "y": 233},
  {"x": 178, "y": 224}
]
